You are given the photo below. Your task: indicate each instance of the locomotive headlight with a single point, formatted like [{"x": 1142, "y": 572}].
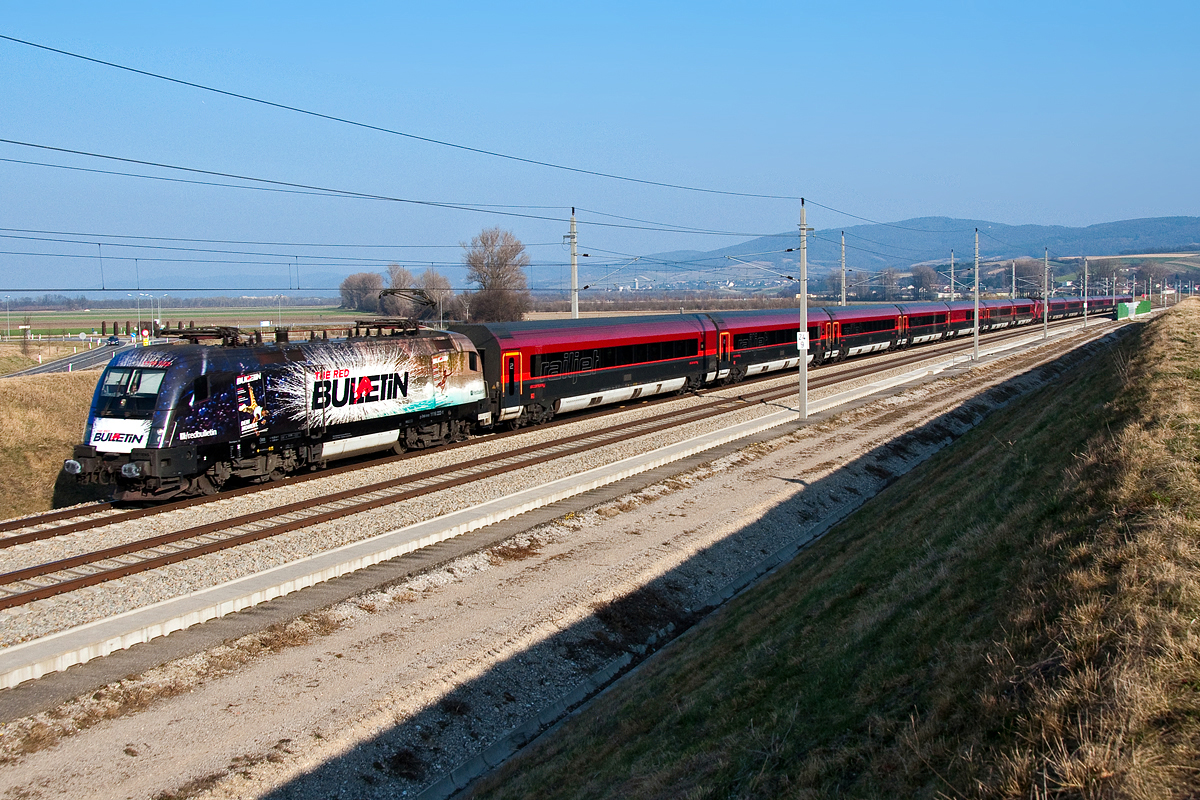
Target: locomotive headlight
[
  {"x": 72, "y": 467},
  {"x": 131, "y": 470}
]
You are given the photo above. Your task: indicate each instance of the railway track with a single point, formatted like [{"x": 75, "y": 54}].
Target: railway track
[{"x": 21, "y": 586}]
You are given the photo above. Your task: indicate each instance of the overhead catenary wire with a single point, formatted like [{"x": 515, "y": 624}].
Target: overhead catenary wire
[
  {"x": 88, "y": 236},
  {"x": 174, "y": 248},
  {"x": 499, "y": 209},
  {"x": 300, "y": 188},
  {"x": 885, "y": 224},
  {"x": 306, "y": 291},
  {"x": 382, "y": 264},
  {"x": 348, "y": 193},
  {"x": 391, "y": 131},
  {"x": 885, "y": 244},
  {"x": 860, "y": 249},
  {"x": 480, "y": 207},
  {"x": 680, "y": 228}
]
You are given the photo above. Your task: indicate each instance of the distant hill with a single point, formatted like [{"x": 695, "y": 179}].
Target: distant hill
[
  {"x": 868, "y": 247},
  {"x": 930, "y": 239}
]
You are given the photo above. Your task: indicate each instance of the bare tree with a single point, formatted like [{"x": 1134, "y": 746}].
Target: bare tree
[
  {"x": 1155, "y": 274},
  {"x": 437, "y": 288},
  {"x": 833, "y": 283},
  {"x": 360, "y": 291},
  {"x": 462, "y": 305},
  {"x": 926, "y": 279},
  {"x": 889, "y": 276},
  {"x": 1030, "y": 276},
  {"x": 1103, "y": 275},
  {"x": 393, "y": 305},
  {"x": 495, "y": 262}
]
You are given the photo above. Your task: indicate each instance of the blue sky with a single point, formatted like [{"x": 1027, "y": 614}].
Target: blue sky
[{"x": 1048, "y": 113}]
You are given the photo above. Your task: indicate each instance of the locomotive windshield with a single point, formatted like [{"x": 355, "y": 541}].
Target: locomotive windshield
[{"x": 129, "y": 392}]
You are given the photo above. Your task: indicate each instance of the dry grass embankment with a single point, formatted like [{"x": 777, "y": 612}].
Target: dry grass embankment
[
  {"x": 41, "y": 420},
  {"x": 1015, "y": 619}
]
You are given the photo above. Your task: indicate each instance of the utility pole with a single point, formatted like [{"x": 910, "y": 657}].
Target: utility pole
[
  {"x": 1013, "y": 295},
  {"x": 1085, "y": 291},
  {"x": 802, "y": 335},
  {"x": 951, "y": 276},
  {"x": 975, "y": 337},
  {"x": 843, "y": 268},
  {"x": 1046, "y": 297},
  {"x": 572, "y": 237}
]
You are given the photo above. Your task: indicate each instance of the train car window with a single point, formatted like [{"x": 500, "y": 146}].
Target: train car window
[
  {"x": 744, "y": 341},
  {"x": 200, "y": 389},
  {"x": 129, "y": 392},
  {"x": 872, "y": 326},
  {"x": 512, "y": 375},
  {"x": 473, "y": 361},
  {"x": 608, "y": 357}
]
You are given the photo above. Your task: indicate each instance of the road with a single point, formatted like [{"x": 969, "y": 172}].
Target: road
[{"x": 89, "y": 359}]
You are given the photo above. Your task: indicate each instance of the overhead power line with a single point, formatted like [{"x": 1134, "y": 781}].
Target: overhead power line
[
  {"x": 887, "y": 224},
  {"x": 329, "y": 192},
  {"x": 453, "y": 145},
  {"x": 860, "y": 249},
  {"x": 317, "y": 263},
  {"x": 674, "y": 227},
  {"x": 391, "y": 131},
  {"x": 244, "y": 241}
]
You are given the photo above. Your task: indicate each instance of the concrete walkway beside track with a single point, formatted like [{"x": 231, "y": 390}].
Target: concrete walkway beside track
[{"x": 32, "y": 659}]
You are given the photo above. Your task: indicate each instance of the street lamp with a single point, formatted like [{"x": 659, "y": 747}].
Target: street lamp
[
  {"x": 138, "y": 332},
  {"x": 147, "y": 294},
  {"x": 141, "y": 295}
]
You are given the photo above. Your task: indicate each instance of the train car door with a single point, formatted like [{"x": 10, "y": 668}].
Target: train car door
[
  {"x": 511, "y": 368},
  {"x": 725, "y": 346}
]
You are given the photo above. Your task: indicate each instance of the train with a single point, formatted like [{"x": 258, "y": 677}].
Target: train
[{"x": 187, "y": 419}]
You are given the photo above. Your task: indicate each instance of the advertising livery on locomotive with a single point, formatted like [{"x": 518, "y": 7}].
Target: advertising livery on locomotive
[{"x": 185, "y": 418}]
